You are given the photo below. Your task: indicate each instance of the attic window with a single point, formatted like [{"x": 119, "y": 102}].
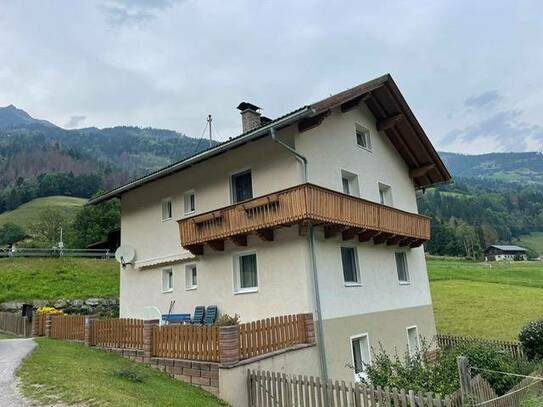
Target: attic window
[{"x": 363, "y": 137}]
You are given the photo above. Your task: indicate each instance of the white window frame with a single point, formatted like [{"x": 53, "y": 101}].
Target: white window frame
[
  {"x": 189, "y": 283},
  {"x": 356, "y": 264},
  {"x": 358, "y": 376},
  {"x": 407, "y": 329},
  {"x": 164, "y": 201},
  {"x": 402, "y": 282},
  {"x": 164, "y": 271},
  {"x": 367, "y": 132},
  {"x": 186, "y": 196},
  {"x": 230, "y": 178},
  {"x": 390, "y": 196},
  {"x": 236, "y": 273},
  {"x": 352, "y": 179}
]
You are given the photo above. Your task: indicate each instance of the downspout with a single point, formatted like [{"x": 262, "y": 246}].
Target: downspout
[{"x": 313, "y": 263}]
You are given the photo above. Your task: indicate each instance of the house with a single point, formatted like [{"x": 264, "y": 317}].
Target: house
[
  {"x": 312, "y": 212},
  {"x": 111, "y": 242},
  {"x": 497, "y": 252}
]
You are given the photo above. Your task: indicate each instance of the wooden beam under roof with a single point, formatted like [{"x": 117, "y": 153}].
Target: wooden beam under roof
[
  {"x": 420, "y": 171},
  {"x": 351, "y": 104},
  {"x": 389, "y": 122},
  {"x": 311, "y": 122}
]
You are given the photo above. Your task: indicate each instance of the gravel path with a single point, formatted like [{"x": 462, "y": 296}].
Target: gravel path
[{"x": 12, "y": 352}]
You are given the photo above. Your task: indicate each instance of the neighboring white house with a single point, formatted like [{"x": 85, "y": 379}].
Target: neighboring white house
[{"x": 314, "y": 211}]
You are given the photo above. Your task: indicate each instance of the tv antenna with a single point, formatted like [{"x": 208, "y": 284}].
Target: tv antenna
[{"x": 209, "y": 120}]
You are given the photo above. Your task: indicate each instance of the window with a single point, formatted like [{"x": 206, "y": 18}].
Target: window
[
  {"x": 245, "y": 273},
  {"x": 191, "y": 277},
  {"x": 242, "y": 186},
  {"x": 361, "y": 355},
  {"x": 363, "y": 137},
  {"x": 350, "y": 266},
  {"x": 385, "y": 194},
  {"x": 349, "y": 182},
  {"x": 190, "y": 202},
  {"x": 166, "y": 209},
  {"x": 401, "y": 267},
  {"x": 167, "y": 280},
  {"x": 412, "y": 340}
]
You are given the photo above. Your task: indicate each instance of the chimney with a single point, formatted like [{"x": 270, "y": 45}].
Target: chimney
[{"x": 250, "y": 117}]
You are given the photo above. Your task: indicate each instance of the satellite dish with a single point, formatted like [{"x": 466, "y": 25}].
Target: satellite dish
[{"x": 125, "y": 255}]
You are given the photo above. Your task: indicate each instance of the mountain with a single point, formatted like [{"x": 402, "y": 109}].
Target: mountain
[
  {"x": 10, "y": 116},
  {"x": 526, "y": 168}
]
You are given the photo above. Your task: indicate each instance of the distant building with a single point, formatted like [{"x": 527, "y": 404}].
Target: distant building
[
  {"x": 111, "y": 243},
  {"x": 505, "y": 252}
]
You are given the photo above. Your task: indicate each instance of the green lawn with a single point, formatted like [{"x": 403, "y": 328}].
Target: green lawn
[
  {"x": 29, "y": 212},
  {"x": 532, "y": 241},
  {"x": 491, "y": 300},
  {"x": 4, "y": 335},
  {"x": 53, "y": 278},
  {"x": 59, "y": 371}
]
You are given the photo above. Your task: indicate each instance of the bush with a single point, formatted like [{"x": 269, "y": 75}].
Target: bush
[
  {"x": 49, "y": 310},
  {"x": 227, "y": 320},
  {"x": 531, "y": 340}
]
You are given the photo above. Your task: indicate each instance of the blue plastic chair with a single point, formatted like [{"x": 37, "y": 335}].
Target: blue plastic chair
[
  {"x": 198, "y": 317},
  {"x": 211, "y": 315}
]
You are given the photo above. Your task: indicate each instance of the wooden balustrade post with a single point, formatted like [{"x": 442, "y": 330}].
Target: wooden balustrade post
[
  {"x": 89, "y": 325},
  {"x": 229, "y": 344},
  {"x": 148, "y": 339},
  {"x": 48, "y": 324},
  {"x": 309, "y": 328}
]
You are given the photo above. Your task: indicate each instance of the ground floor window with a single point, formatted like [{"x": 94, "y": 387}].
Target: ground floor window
[
  {"x": 413, "y": 340},
  {"x": 245, "y": 273},
  {"x": 191, "y": 277},
  {"x": 167, "y": 280},
  {"x": 361, "y": 355}
]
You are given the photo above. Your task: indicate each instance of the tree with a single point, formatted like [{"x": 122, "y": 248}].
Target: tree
[
  {"x": 11, "y": 233},
  {"x": 46, "y": 231},
  {"x": 92, "y": 223}
]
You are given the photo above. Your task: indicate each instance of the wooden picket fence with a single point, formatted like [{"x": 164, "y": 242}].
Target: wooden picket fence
[
  {"x": 271, "y": 334},
  {"x": 281, "y": 390},
  {"x": 15, "y": 324},
  {"x": 39, "y": 321},
  {"x": 125, "y": 333},
  {"x": 71, "y": 327},
  {"x": 186, "y": 342},
  {"x": 512, "y": 347}
]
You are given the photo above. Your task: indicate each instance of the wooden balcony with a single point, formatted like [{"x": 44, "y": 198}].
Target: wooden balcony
[{"x": 337, "y": 213}]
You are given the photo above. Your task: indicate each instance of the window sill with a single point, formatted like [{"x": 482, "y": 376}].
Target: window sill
[
  {"x": 353, "y": 284},
  {"x": 369, "y": 150},
  {"x": 405, "y": 282},
  {"x": 166, "y": 220},
  {"x": 167, "y": 291},
  {"x": 191, "y": 288},
  {"x": 189, "y": 213},
  {"x": 246, "y": 291}
]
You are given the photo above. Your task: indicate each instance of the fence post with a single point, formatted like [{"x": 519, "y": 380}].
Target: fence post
[
  {"x": 89, "y": 324},
  {"x": 48, "y": 324},
  {"x": 148, "y": 338},
  {"x": 309, "y": 328},
  {"x": 465, "y": 379},
  {"x": 229, "y": 344}
]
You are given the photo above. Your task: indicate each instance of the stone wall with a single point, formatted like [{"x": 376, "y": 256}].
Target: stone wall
[{"x": 104, "y": 307}]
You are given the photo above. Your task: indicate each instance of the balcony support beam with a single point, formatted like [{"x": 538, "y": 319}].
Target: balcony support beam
[
  {"x": 367, "y": 235},
  {"x": 382, "y": 238},
  {"x": 332, "y": 230},
  {"x": 406, "y": 241},
  {"x": 196, "y": 249},
  {"x": 349, "y": 234},
  {"x": 265, "y": 234},
  {"x": 394, "y": 240},
  {"x": 240, "y": 240},
  {"x": 217, "y": 245},
  {"x": 416, "y": 243}
]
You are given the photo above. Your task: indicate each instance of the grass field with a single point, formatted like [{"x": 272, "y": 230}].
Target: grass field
[
  {"x": 5, "y": 335},
  {"x": 70, "y": 373},
  {"x": 532, "y": 241},
  {"x": 53, "y": 278},
  {"x": 485, "y": 300},
  {"x": 29, "y": 212}
]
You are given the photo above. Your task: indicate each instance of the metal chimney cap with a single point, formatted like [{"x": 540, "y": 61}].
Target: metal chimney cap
[{"x": 247, "y": 106}]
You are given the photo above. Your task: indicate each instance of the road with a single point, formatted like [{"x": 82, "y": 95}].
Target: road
[{"x": 12, "y": 352}]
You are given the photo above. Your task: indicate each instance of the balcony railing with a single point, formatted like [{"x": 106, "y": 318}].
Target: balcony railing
[{"x": 337, "y": 212}]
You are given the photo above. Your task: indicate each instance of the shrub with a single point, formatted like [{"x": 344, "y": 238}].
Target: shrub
[
  {"x": 531, "y": 340},
  {"x": 130, "y": 375},
  {"x": 227, "y": 320},
  {"x": 49, "y": 310}
]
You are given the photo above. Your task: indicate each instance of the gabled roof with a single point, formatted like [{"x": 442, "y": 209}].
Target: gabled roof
[
  {"x": 384, "y": 100},
  {"x": 508, "y": 248}
]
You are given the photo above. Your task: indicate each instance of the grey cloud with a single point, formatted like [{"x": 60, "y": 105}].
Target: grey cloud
[
  {"x": 133, "y": 11},
  {"x": 506, "y": 127},
  {"x": 483, "y": 99},
  {"x": 75, "y": 121}
]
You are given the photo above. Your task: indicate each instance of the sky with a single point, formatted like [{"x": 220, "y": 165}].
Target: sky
[{"x": 471, "y": 71}]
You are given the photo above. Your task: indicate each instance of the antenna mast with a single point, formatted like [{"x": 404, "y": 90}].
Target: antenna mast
[{"x": 209, "y": 120}]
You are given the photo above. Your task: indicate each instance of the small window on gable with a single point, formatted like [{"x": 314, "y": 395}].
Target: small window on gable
[
  {"x": 349, "y": 183},
  {"x": 385, "y": 194},
  {"x": 361, "y": 356},
  {"x": 363, "y": 137},
  {"x": 413, "y": 340},
  {"x": 166, "y": 209},
  {"x": 349, "y": 262},
  {"x": 191, "y": 277},
  {"x": 242, "y": 186},
  {"x": 401, "y": 267},
  {"x": 167, "y": 280},
  {"x": 190, "y": 202}
]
